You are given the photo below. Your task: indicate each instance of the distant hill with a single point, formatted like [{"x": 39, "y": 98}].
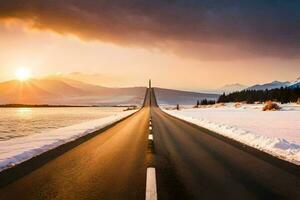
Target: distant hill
[
  {"x": 173, "y": 97},
  {"x": 231, "y": 88},
  {"x": 64, "y": 91}
]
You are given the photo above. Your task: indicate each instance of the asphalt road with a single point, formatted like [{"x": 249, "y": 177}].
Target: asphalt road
[
  {"x": 190, "y": 163},
  {"x": 194, "y": 163}
]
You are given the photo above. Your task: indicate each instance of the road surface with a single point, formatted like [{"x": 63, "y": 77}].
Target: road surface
[
  {"x": 190, "y": 163},
  {"x": 194, "y": 163}
]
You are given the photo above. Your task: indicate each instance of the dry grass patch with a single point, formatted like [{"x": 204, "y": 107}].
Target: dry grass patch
[
  {"x": 269, "y": 105},
  {"x": 238, "y": 105},
  {"x": 219, "y": 105}
]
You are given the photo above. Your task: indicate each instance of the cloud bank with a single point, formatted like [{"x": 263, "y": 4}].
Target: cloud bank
[{"x": 204, "y": 29}]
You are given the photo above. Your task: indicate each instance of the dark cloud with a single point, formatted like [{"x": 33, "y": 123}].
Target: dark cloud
[{"x": 208, "y": 29}]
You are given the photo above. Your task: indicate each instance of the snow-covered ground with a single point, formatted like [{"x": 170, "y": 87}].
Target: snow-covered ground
[
  {"x": 20, "y": 149},
  {"x": 275, "y": 132}
]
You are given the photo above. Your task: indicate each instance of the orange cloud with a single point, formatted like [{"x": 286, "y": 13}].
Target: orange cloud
[{"x": 200, "y": 29}]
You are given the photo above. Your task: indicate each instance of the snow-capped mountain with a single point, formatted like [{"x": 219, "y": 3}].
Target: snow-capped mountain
[
  {"x": 276, "y": 84},
  {"x": 269, "y": 86},
  {"x": 295, "y": 83}
]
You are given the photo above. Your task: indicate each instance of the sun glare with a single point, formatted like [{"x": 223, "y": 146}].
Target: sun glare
[{"x": 22, "y": 74}]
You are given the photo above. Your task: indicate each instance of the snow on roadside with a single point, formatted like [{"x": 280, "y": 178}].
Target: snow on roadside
[
  {"x": 18, "y": 150},
  {"x": 275, "y": 132}
]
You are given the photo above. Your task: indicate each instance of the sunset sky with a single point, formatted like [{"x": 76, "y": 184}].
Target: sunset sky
[{"x": 183, "y": 44}]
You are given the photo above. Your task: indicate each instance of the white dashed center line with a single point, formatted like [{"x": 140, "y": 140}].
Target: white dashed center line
[
  {"x": 151, "y": 192},
  {"x": 150, "y": 137}
]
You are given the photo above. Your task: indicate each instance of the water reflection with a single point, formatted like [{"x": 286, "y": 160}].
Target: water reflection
[
  {"x": 18, "y": 122},
  {"x": 24, "y": 113}
]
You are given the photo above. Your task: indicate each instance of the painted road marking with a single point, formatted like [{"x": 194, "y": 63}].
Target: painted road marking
[
  {"x": 150, "y": 128},
  {"x": 150, "y": 137},
  {"x": 151, "y": 192}
]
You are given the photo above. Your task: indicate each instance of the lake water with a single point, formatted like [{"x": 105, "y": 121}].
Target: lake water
[{"x": 18, "y": 122}]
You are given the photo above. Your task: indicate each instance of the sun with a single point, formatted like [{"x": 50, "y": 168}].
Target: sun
[{"x": 23, "y": 74}]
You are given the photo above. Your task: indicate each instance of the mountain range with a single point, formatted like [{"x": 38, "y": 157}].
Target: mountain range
[
  {"x": 64, "y": 91},
  {"x": 269, "y": 86},
  {"x": 272, "y": 85},
  {"x": 276, "y": 84}
]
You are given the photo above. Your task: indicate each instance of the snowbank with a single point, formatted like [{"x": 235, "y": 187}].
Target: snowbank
[
  {"x": 18, "y": 150},
  {"x": 275, "y": 132}
]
